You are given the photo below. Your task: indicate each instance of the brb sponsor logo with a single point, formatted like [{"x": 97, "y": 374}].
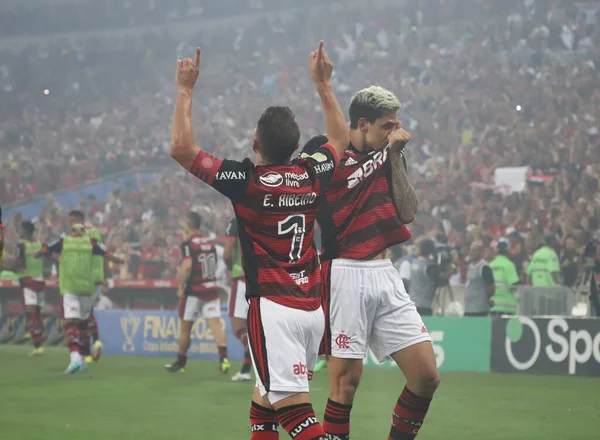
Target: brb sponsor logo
[
  {"x": 301, "y": 369},
  {"x": 555, "y": 346},
  {"x": 367, "y": 168}
]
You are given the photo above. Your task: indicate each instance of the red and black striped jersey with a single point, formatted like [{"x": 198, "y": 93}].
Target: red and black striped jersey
[
  {"x": 275, "y": 207},
  {"x": 202, "y": 281},
  {"x": 358, "y": 218}
]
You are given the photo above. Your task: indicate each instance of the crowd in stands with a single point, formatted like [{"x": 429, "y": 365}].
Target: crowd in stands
[{"x": 484, "y": 85}]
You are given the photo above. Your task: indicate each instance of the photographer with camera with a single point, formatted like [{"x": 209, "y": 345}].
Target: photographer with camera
[
  {"x": 423, "y": 278},
  {"x": 430, "y": 272},
  {"x": 587, "y": 284},
  {"x": 480, "y": 283}
]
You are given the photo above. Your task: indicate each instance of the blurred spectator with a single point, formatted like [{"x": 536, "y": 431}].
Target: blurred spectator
[{"x": 500, "y": 97}]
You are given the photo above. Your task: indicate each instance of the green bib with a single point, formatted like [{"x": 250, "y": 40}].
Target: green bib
[
  {"x": 505, "y": 275},
  {"x": 97, "y": 260},
  {"x": 543, "y": 262},
  {"x": 237, "y": 270},
  {"x": 75, "y": 266},
  {"x": 34, "y": 267}
]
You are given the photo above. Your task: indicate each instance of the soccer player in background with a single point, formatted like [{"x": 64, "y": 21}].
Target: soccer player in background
[
  {"x": 367, "y": 205},
  {"x": 275, "y": 202},
  {"x": 76, "y": 287},
  {"x": 198, "y": 292},
  {"x": 238, "y": 306},
  {"x": 30, "y": 271},
  {"x": 99, "y": 277}
]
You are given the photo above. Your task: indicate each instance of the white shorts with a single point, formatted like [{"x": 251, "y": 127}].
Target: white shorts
[
  {"x": 284, "y": 346},
  {"x": 366, "y": 306},
  {"x": 97, "y": 295},
  {"x": 32, "y": 291},
  {"x": 33, "y": 298},
  {"x": 192, "y": 308},
  {"x": 76, "y": 306},
  {"x": 238, "y": 305}
]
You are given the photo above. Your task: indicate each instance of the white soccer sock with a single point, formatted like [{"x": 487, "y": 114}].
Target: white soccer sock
[{"x": 75, "y": 356}]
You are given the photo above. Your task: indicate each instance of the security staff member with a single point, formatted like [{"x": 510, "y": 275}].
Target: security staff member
[
  {"x": 480, "y": 283},
  {"x": 504, "y": 301},
  {"x": 423, "y": 278}
]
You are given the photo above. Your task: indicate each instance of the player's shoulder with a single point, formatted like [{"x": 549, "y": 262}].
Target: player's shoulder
[
  {"x": 313, "y": 145},
  {"x": 350, "y": 158},
  {"x": 200, "y": 240}
]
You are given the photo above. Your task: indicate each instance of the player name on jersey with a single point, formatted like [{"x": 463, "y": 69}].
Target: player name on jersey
[{"x": 289, "y": 200}]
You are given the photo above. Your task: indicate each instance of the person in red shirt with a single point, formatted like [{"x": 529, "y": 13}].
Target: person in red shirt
[
  {"x": 275, "y": 200},
  {"x": 366, "y": 208},
  {"x": 198, "y": 293}
]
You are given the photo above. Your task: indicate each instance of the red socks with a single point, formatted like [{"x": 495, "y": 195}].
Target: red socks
[
  {"x": 35, "y": 325},
  {"x": 300, "y": 422},
  {"x": 72, "y": 335},
  {"x": 93, "y": 327},
  {"x": 337, "y": 420},
  {"x": 408, "y": 416},
  {"x": 263, "y": 422}
]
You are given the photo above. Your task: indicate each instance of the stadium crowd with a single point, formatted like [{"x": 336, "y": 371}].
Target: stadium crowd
[{"x": 481, "y": 89}]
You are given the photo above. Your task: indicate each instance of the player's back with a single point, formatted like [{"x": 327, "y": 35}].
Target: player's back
[
  {"x": 202, "y": 252},
  {"x": 276, "y": 208},
  {"x": 358, "y": 218},
  {"x": 277, "y": 223}
]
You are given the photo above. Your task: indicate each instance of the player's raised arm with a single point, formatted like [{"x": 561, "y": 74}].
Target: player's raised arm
[
  {"x": 183, "y": 145},
  {"x": 321, "y": 69},
  {"x": 404, "y": 195},
  {"x": 229, "y": 177}
]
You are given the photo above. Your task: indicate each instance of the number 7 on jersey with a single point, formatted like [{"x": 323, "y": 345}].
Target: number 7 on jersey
[{"x": 294, "y": 225}]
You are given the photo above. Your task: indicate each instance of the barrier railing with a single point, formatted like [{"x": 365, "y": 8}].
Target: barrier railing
[{"x": 532, "y": 301}]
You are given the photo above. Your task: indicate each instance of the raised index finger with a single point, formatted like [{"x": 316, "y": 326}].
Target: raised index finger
[
  {"x": 320, "y": 49},
  {"x": 197, "y": 59}
]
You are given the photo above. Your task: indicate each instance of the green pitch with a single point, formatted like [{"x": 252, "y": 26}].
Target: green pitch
[{"x": 133, "y": 398}]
